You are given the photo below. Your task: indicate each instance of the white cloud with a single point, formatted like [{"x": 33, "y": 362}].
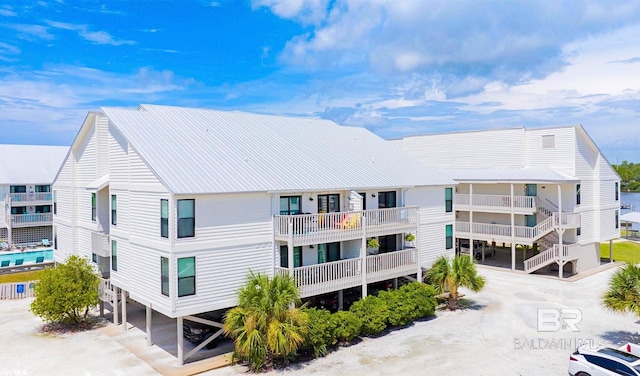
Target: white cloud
[
  {"x": 305, "y": 11},
  {"x": 7, "y": 12},
  {"x": 7, "y": 51},
  {"x": 28, "y": 31},
  {"x": 97, "y": 37}
]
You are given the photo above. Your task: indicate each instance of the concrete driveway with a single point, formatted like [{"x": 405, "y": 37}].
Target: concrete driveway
[{"x": 496, "y": 335}]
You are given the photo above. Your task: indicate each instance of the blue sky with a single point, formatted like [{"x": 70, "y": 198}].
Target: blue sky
[{"x": 394, "y": 67}]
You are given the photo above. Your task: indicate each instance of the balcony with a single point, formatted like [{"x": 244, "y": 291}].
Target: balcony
[
  {"x": 338, "y": 275},
  {"x": 30, "y": 199},
  {"x": 496, "y": 203},
  {"x": 27, "y": 220},
  {"x": 523, "y": 234},
  {"x": 100, "y": 244},
  {"x": 304, "y": 229}
]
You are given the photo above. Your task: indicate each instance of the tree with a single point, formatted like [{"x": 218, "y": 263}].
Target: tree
[
  {"x": 448, "y": 275},
  {"x": 623, "y": 294},
  {"x": 65, "y": 293},
  {"x": 266, "y": 324}
]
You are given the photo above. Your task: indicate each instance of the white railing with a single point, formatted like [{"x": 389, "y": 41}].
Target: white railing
[
  {"x": 391, "y": 265},
  {"x": 105, "y": 290},
  {"x": 569, "y": 220},
  {"x": 543, "y": 258},
  {"x": 31, "y": 197},
  {"x": 100, "y": 244},
  {"x": 504, "y": 231},
  {"x": 497, "y": 201},
  {"x": 570, "y": 252},
  {"x": 31, "y": 219},
  {"x": 17, "y": 290},
  {"x": 334, "y": 227},
  {"x": 326, "y": 277}
]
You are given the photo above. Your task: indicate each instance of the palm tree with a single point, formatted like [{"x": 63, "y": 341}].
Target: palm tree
[
  {"x": 624, "y": 290},
  {"x": 266, "y": 324},
  {"x": 448, "y": 275}
]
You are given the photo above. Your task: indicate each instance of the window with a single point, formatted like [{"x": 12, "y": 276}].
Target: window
[
  {"x": 386, "y": 199},
  {"x": 18, "y": 210},
  {"x": 578, "y": 231},
  {"x": 284, "y": 257},
  {"x": 577, "y": 194},
  {"x": 549, "y": 141},
  {"x": 164, "y": 275},
  {"x": 93, "y": 207},
  {"x": 290, "y": 205},
  {"x": 328, "y": 252},
  {"x": 55, "y": 238},
  {"x": 617, "y": 192},
  {"x": 448, "y": 200},
  {"x": 164, "y": 218},
  {"x": 94, "y": 258},
  {"x": 114, "y": 255},
  {"x": 186, "y": 218},
  {"x": 449, "y": 237},
  {"x": 114, "y": 209},
  {"x": 617, "y": 219},
  {"x": 41, "y": 209},
  {"x": 55, "y": 202},
  {"x": 18, "y": 189},
  {"x": 328, "y": 203},
  {"x": 186, "y": 276},
  {"x": 43, "y": 188}
]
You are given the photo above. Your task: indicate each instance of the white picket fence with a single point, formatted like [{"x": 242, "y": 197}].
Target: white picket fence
[{"x": 17, "y": 290}]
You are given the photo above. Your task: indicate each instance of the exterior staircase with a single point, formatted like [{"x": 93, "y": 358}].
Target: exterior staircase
[{"x": 553, "y": 254}]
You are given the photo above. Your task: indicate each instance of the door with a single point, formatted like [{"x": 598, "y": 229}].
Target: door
[
  {"x": 531, "y": 189},
  {"x": 530, "y": 220}
]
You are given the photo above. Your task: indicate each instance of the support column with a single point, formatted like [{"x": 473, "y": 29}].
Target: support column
[
  {"x": 610, "y": 250},
  {"x": 363, "y": 257},
  {"x": 395, "y": 283},
  {"x": 560, "y": 233},
  {"x": 417, "y": 248},
  {"x": 149, "y": 321},
  {"x": 101, "y": 308},
  {"x": 180, "y": 341},
  {"x": 471, "y": 221},
  {"x": 114, "y": 305},
  {"x": 290, "y": 247},
  {"x": 123, "y": 296},
  {"x": 340, "y": 299},
  {"x": 483, "y": 244},
  {"x": 513, "y": 233}
]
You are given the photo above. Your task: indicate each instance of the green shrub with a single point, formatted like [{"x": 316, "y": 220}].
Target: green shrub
[
  {"x": 421, "y": 297},
  {"x": 401, "y": 309},
  {"x": 347, "y": 325},
  {"x": 373, "y": 312},
  {"x": 321, "y": 333},
  {"x": 65, "y": 293}
]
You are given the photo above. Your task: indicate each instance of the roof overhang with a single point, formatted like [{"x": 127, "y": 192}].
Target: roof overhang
[
  {"x": 525, "y": 175},
  {"x": 631, "y": 217},
  {"x": 99, "y": 183}
]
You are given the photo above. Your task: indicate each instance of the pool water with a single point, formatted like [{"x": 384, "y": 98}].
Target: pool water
[{"x": 27, "y": 256}]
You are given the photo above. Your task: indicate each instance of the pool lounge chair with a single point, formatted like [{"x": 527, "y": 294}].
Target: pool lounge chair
[
  {"x": 45, "y": 242},
  {"x": 5, "y": 263},
  {"x": 19, "y": 262},
  {"x": 39, "y": 259}
]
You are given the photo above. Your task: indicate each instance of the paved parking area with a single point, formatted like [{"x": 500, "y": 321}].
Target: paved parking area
[{"x": 496, "y": 335}]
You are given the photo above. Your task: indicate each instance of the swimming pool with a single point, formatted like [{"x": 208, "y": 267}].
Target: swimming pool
[{"x": 27, "y": 256}]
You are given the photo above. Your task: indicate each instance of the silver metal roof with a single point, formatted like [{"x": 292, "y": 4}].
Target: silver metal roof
[
  {"x": 511, "y": 174},
  {"x": 30, "y": 164},
  {"x": 207, "y": 151}
]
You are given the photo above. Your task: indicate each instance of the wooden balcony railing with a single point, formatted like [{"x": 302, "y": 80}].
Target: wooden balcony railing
[
  {"x": 343, "y": 274},
  {"x": 340, "y": 226},
  {"x": 22, "y": 199},
  {"x": 23, "y": 220}
]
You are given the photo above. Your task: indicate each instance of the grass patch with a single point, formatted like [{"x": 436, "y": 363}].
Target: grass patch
[
  {"x": 21, "y": 277},
  {"x": 622, "y": 251}
]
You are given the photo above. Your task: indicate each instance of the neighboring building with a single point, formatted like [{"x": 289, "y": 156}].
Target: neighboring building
[
  {"x": 26, "y": 174},
  {"x": 550, "y": 187},
  {"x": 176, "y": 205}
]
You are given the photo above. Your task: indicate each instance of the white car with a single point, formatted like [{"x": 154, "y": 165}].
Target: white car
[{"x": 606, "y": 361}]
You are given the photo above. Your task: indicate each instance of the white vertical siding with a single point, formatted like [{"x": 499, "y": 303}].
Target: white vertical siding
[
  {"x": 102, "y": 144},
  {"x": 433, "y": 219},
  {"x": 586, "y": 157},
  {"x": 468, "y": 149},
  {"x": 561, "y": 157}
]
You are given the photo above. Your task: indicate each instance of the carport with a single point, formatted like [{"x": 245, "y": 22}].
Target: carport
[{"x": 632, "y": 217}]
